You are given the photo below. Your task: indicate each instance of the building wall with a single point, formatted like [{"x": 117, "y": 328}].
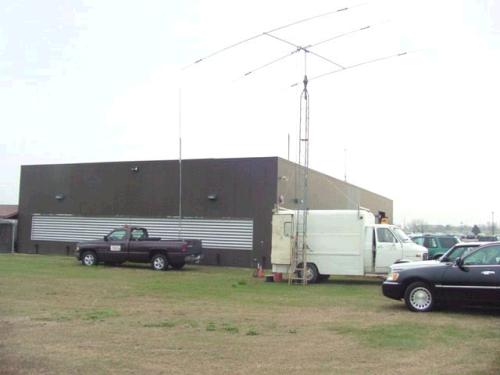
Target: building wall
[
  {"x": 325, "y": 192},
  {"x": 245, "y": 189}
]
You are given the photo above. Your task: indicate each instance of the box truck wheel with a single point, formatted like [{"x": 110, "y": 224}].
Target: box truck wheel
[{"x": 312, "y": 273}]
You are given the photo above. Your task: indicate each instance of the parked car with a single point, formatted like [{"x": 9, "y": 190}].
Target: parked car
[
  {"x": 473, "y": 278},
  {"x": 437, "y": 244},
  {"x": 461, "y": 249},
  {"x": 133, "y": 244}
]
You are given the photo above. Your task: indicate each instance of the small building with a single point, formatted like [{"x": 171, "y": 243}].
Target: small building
[
  {"x": 8, "y": 227},
  {"x": 228, "y": 203}
]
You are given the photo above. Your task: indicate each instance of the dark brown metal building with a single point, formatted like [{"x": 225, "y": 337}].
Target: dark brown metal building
[{"x": 228, "y": 203}]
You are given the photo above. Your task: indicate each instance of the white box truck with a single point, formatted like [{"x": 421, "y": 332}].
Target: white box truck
[{"x": 342, "y": 242}]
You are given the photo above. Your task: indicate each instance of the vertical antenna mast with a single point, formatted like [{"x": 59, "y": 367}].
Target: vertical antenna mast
[
  {"x": 180, "y": 164},
  {"x": 288, "y": 154},
  {"x": 299, "y": 268},
  {"x": 345, "y": 164}
]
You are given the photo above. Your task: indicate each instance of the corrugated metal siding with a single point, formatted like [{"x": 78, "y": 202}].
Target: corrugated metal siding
[{"x": 215, "y": 234}]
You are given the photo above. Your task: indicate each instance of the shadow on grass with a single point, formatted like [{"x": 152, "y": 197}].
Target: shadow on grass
[
  {"x": 471, "y": 310},
  {"x": 147, "y": 266},
  {"x": 450, "y": 309},
  {"x": 353, "y": 281}
]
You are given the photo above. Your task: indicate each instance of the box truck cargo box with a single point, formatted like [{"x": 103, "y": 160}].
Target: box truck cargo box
[{"x": 341, "y": 242}]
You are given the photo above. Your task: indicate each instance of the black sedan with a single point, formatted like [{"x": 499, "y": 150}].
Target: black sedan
[{"x": 471, "y": 279}]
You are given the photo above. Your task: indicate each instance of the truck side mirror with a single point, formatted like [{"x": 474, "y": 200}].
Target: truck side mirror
[
  {"x": 105, "y": 238},
  {"x": 459, "y": 262}
]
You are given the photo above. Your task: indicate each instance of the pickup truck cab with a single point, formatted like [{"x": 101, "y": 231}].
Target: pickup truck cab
[{"x": 133, "y": 244}]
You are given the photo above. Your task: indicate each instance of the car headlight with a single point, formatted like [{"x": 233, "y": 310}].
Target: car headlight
[{"x": 393, "y": 276}]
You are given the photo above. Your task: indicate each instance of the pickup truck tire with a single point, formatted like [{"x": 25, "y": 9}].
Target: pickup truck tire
[
  {"x": 178, "y": 265},
  {"x": 159, "y": 262},
  {"x": 89, "y": 258},
  {"x": 419, "y": 297}
]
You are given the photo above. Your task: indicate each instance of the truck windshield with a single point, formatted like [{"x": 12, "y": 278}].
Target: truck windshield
[{"x": 403, "y": 237}]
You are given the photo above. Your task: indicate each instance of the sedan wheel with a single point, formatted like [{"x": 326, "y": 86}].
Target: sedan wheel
[{"x": 419, "y": 297}]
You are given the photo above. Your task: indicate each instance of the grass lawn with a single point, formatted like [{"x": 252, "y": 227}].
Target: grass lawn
[{"x": 58, "y": 317}]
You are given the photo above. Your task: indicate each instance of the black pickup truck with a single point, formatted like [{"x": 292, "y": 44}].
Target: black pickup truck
[{"x": 133, "y": 244}]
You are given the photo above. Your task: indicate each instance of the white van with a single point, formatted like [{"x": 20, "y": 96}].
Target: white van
[{"x": 342, "y": 242}]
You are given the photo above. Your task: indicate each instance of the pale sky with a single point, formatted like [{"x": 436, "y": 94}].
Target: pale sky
[{"x": 99, "y": 80}]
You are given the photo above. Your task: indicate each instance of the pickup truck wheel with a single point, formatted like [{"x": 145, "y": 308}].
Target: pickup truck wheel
[
  {"x": 178, "y": 266},
  {"x": 89, "y": 258},
  {"x": 159, "y": 262},
  {"x": 419, "y": 297}
]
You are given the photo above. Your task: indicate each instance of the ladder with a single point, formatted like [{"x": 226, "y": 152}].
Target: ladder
[
  {"x": 298, "y": 268},
  {"x": 297, "y": 272}
]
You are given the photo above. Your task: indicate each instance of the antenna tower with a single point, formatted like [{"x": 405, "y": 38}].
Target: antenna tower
[{"x": 299, "y": 269}]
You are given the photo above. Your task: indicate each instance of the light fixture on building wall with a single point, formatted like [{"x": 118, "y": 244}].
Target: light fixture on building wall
[
  {"x": 212, "y": 197},
  {"x": 134, "y": 169},
  {"x": 60, "y": 197}
]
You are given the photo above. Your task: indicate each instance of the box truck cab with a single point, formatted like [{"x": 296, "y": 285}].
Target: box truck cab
[{"x": 341, "y": 242}]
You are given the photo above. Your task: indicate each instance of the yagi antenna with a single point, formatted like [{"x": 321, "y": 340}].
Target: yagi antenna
[
  {"x": 266, "y": 33},
  {"x": 307, "y": 48}
]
